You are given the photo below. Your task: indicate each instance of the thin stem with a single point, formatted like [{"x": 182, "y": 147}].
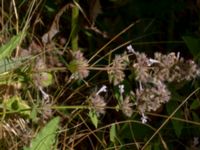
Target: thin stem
[
  {"x": 114, "y": 38},
  {"x": 74, "y": 27}
]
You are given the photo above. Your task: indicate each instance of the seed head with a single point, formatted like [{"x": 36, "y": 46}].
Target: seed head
[
  {"x": 116, "y": 71},
  {"x": 79, "y": 66},
  {"x": 126, "y": 107},
  {"x": 98, "y": 103}
]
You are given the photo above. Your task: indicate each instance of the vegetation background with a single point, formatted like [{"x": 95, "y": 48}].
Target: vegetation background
[{"x": 56, "y": 57}]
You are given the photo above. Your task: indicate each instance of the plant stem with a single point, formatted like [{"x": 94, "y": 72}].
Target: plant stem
[{"x": 74, "y": 27}]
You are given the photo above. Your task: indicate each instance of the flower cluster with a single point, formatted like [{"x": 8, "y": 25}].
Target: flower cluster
[
  {"x": 125, "y": 104},
  {"x": 116, "y": 70},
  {"x": 173, "y": 68},
  {"x": 98, "y": 102},
  {"x": 141, "y": 67},
  {"x": 152, "y": 75},
  {"x": 149, "y": 98},
  {"x": 170, "y": 68},
  {"x": 79, "y": 66}
]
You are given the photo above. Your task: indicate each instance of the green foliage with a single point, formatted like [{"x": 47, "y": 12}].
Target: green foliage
[
  {"x": 16, "y": 104},
  {"x": 46, "y": 137},
  {"x": 74, "y": 31},
  {"x": 7, "y": 64},
  {"x": 7, "y": 49},
  {"x": 113, "y": 133},
  {"x": 193, "y": 45},
  {"x": 195, "y": 104},
  {"x": 100, "y": 32},
  {"x": 177, "y": 125},
  {"x": 93, "y": 117}
]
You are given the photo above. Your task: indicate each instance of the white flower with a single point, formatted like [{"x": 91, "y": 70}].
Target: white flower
[
  {"x": 121, "y": 89},
  {"x": 44, "y": 94},
  {"x": 178, "y": 55},
  {"x": 144, "y": 118},
  {"x": 152, "y": 61},
  {"x": 102, "y": 89},
  {"x": 130, "y": 49}
]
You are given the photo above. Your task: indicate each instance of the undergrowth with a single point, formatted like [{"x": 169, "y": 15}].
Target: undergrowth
[{"x": 68, "y": 84}]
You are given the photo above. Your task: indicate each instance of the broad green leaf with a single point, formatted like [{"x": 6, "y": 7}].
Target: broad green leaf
[
  {"x": 193, "y": 45},
  {"x": 7, "y": 49},
  {"x": 15, "y": 103},
  {"x": 177, "y": 125},
  {"x": 93, "y": 118},
  {"x": 46, "y": 137},
  {"x": 113, "y": 133}
]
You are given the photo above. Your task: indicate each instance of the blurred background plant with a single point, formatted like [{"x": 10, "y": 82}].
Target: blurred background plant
[{"x": 99, "y": 74}]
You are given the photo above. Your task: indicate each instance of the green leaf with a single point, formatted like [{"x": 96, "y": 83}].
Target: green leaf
[
  {"x": 193, "y": 45},
  {"x": 46, "y": 137},
  {"x": 7, "y": 49},
  {"x": 10, "y": 64},
  {"x": 15, "y": 103},
  {"x": 7, "y": 65},
  {"x": 93, "y": 118},
  {"x": 177, "y": 125},
  {"x": 113, "y": 133},
  {"x": 195, "y": 104}
]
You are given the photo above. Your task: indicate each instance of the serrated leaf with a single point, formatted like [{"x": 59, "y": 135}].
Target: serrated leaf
[
  {"x": 113, "y": 133},
  {"x": 7, "y": 49},
  {"x": 93, "y": 118},
  {"x": 46, "y": 137},
  {"x": 177, "y": 125}
]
